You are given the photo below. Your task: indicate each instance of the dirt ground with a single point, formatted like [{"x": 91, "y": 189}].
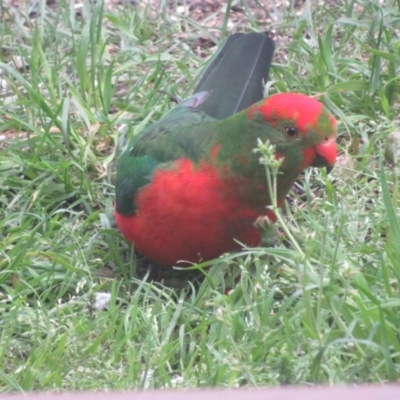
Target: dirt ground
[{"x": 209, "y": 14}]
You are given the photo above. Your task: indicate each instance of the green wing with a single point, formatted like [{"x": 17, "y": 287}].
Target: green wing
[{"x": 177, "y": 134}]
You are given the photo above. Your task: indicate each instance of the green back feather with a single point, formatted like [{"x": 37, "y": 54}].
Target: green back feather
[{"x": 174, "y": 136}]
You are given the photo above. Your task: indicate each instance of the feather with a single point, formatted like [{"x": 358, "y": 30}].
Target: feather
[{"x": 237, "y": 74}]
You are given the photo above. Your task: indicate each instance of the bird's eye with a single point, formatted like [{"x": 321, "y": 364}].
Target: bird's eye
[{"x": 291, "y": 132}]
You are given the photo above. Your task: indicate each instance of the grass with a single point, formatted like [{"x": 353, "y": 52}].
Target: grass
[{"x": 320, "y": 308}]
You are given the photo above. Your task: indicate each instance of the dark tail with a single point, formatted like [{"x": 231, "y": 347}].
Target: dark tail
[{"x": 236, "y": 74}]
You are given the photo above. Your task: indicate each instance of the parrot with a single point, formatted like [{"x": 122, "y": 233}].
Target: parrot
[{"x": 190, "y": 187}]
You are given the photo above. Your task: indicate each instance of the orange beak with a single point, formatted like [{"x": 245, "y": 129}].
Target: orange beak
[{"x": 325, "y": 154}]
